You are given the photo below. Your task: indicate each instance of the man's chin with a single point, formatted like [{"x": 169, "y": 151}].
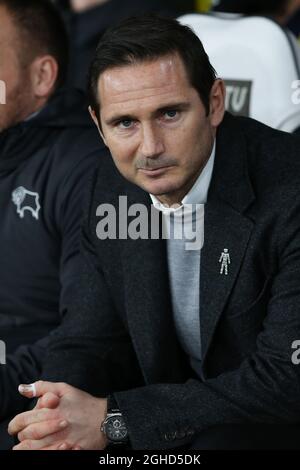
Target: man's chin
[
  {"x": 158, "y": 190},
  {"x": 155, "y": 188},
  {"x": 156, "y": 182}
]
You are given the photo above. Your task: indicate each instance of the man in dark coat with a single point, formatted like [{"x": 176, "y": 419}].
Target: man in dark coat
[{"x": 177, "y": 339}]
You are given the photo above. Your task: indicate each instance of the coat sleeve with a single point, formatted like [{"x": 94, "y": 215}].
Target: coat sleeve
[{"x": 264, "y": 389}]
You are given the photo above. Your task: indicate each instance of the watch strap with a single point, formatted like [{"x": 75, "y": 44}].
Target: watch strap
[{"x": 112, "y": 405}]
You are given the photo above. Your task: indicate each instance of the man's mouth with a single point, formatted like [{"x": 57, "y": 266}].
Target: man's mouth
[{"x": 154, "y": 171}]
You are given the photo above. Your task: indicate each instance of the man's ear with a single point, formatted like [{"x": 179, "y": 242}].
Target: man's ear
[
  {"x": 44, "y": 72},
  {"x": 217, "y": 102},
  {"x": 95, "y": 119}
]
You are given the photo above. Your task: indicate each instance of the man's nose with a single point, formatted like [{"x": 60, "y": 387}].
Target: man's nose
[{"x": 152, "y": 142}]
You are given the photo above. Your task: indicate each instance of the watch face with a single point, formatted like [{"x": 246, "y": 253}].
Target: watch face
[{"x": 115, "y": 429}]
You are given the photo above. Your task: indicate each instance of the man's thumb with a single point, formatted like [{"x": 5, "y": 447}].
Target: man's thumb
[
  {"x": 40, "y": 388},
  {"x": 28, "y": 391}
]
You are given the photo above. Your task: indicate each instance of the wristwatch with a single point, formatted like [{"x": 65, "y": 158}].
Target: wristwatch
[{"x": 114, "y": 426}]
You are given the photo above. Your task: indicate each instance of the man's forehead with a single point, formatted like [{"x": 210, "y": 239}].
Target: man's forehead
[{"x": 158, "y": 76}]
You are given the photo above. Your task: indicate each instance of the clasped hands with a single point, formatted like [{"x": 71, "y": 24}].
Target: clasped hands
[{"x": 64, "y": 418}]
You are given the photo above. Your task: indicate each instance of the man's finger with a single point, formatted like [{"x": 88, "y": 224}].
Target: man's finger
[
  {"x": 49, "y": 400},
  {"x": 37, "y": 389},
  {"x": 30, "y": 417},
  {"x": 60, "y": 446},
  {"x": 40, "y": 430},
  {"x": 46, "y": 443}
]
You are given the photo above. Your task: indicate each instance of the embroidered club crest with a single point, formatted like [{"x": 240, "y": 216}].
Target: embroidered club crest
[{"x": 26, "y": 200}]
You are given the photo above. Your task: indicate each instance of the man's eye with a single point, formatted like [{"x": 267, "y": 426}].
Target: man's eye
[
  {"x": 126, "y": 124},
  {"x": 171, "y": 114}
]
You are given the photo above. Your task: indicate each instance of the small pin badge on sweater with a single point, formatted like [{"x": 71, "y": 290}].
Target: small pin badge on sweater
[{"x": 225, "y": 261}]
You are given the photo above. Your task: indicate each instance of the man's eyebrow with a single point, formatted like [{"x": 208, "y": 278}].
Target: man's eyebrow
[
  {"x": 181, "y": 106},
  {"x": 128, "y": 117},
  {"x": 117, "y": 118}
]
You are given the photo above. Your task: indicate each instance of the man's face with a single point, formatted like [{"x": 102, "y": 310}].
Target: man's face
[
  {"x": 13, "y": 74},
  {"x": 156, "y": 127}
]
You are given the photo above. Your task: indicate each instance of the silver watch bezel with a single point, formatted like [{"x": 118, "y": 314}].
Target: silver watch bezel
[{"x": 106, "y": 420}]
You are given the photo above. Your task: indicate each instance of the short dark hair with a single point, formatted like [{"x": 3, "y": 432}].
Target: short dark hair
[
  {"x": 41, "y": 30},
  {"x": 146, "y": 38}
]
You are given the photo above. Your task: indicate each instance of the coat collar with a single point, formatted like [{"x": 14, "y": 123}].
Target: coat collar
[{"x": 230, "y": 180}]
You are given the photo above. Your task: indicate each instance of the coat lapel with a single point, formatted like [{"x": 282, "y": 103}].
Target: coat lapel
[
  {"x": 148, "y": 306},
  {"x": 225, "y": 227},
  {"x": 146, "y": 288}
]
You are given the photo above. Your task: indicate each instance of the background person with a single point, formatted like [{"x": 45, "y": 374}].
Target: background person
[
  {"x": 87, "y": 20},
  {"x": 47, "y": 150}
]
